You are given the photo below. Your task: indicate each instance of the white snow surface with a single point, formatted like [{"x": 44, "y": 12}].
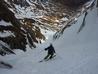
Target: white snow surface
[
  {"x": 3, "y": 23},
  {"x": 6, "y": 34},
  {"x": 76, "y": 53}
]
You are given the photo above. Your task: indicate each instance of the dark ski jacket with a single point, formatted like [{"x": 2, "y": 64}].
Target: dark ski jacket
[{"x": 50, "y": 49}]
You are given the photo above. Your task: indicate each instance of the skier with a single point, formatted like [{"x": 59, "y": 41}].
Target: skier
[{"x": 50, "y": 53}]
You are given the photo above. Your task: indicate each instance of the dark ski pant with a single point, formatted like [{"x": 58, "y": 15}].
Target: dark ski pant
[{"x": 49, "y": 56}]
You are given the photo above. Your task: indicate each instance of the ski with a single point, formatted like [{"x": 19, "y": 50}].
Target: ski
[{"x": 47, "y": 59}]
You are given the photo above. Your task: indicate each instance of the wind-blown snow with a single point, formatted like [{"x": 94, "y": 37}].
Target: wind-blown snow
[{"x": 77, "y": 53}]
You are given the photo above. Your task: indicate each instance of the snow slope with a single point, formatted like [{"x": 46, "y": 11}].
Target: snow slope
[{"x": 76, "y": 53}]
